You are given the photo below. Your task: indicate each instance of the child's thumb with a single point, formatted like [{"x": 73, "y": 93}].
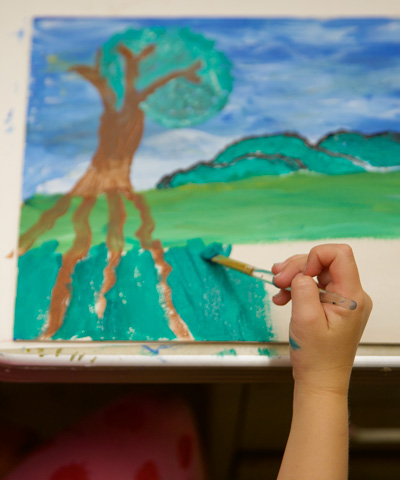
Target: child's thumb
[{"x": 306, "y": 305}]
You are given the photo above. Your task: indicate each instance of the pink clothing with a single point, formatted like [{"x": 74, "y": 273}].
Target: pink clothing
[{"x": 135, "y": 438}]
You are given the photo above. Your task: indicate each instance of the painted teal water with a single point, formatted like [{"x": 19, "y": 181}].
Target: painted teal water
[
  {"x": 338, "y": 154},
  {"x": 216, "y": 304}
]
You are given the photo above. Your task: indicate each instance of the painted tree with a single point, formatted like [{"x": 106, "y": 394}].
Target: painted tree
[{"x": 178, "y": 78}]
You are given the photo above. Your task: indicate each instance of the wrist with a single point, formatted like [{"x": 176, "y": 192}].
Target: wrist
[
  {"x": 323, "y": 380},
  {"x": 318, "y": 391}
]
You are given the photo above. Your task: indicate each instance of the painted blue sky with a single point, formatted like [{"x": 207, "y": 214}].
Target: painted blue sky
[{"x": 309, "y": 76}]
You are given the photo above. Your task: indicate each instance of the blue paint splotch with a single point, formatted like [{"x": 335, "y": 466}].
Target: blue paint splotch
[
  {"x": 156, "y": 350},
  {"x": 217, "y": 304},
  {"x": 8, "y": 121},
  {"x": 9, "y": 117},
  {"x": 294, "y": 344}
]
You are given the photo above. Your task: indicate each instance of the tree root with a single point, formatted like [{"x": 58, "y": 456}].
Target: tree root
[
  {"x": 45, "y": 222},
  {"x": 144, "y": 235},
  {"x": 115, "y": 245},
  {"x": 61, "y": 293}
]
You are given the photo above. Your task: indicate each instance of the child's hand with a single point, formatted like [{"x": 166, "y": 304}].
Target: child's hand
[{"x": 323, "y": 337}]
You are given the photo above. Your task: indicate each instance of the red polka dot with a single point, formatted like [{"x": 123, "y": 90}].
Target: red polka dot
[
  {"x": 185, "y": 450},
  {"x": 126, "y": 417},
  {"x": 70, "y": 472},
  {"x": 148, "y": 471}
]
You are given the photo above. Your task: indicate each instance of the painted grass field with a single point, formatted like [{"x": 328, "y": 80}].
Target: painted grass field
[
  {"x": 262, "y": 209},
  {"x": 258, "y": 210}
]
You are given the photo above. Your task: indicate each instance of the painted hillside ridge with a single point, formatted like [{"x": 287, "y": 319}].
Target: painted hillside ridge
[{"x": 338, "y": 153}]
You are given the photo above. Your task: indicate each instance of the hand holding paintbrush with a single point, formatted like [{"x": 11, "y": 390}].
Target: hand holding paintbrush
[
  {"x": 213, "y": 254},
  {"x": 323, "y": 340}
]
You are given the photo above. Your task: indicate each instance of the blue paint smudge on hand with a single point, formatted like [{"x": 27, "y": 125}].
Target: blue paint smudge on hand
[{"x": 293, "y": 344}]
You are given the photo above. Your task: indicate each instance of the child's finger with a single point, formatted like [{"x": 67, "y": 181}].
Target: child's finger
[
  {"x": 306, "y": 305},
  {"x": 282, "y": 297},
  {"x": 339, "y": 259},
  {"x": 324, "y": 278},
  {"x": 278, "y": 267},
  {"x": 292, "y": 267}
]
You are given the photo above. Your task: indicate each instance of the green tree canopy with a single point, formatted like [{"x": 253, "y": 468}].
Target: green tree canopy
[{"x": 179, "y": 103}]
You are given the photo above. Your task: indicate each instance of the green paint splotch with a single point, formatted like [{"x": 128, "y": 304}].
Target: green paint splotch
[
  {"x": 38, "y": 270},
  {"x": 227, "y": 351},
  {"x": 217, "y": 305}
]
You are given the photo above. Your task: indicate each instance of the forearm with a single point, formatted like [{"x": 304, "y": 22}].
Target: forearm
[{"x": 317, "y": 448}]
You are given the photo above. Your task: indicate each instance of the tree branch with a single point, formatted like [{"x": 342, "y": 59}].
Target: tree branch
[
  {"x": 132, "y": 67},
  {"x": 93, "y": 75},
  {"x": 189, "y": 73}
]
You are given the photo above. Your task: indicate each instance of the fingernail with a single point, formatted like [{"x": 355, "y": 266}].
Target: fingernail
[
  {"x": 277, "y": 264},
  {"x": 274, "y": 278}
]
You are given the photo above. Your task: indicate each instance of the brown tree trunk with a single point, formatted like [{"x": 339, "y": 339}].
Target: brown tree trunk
[{"x": 120, "y": 134}]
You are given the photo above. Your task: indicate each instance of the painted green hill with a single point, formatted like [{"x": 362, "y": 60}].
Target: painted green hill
[
  {"x": 381, "y": 150},
  {"x": 339, "y": 153}
]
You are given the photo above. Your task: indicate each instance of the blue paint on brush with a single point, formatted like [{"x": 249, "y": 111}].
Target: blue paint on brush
[{"x": 293, "y": 344}]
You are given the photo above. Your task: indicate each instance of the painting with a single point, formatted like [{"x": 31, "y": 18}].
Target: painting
[{"x": 149, "y": 139}]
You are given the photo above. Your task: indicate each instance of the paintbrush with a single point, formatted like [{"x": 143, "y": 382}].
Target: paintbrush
[{"x": 212, "y": 254}]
